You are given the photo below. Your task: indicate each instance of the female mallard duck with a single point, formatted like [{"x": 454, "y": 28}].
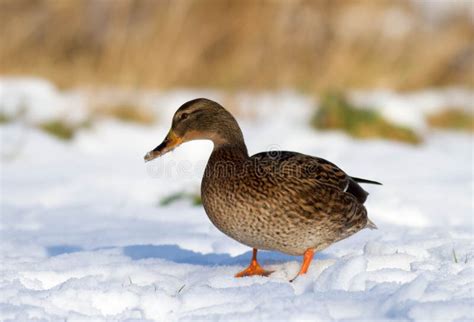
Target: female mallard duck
[{"x": 282, "y": 201}]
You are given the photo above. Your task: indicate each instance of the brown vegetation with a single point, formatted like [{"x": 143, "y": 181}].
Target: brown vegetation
[
  {"x": 59, "y": 128},
  {"x": 4, "y": 118},
  {"x": 308, "y": 45},
  {"x": 194, "y": 198},
  {"x": 335, "y": 112},
  {"x": 452, "y": 119},
  {"x": 125, "y": 112}
]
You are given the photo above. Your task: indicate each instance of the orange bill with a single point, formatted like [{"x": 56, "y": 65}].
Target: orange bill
[{"x": 169, "y": 143}]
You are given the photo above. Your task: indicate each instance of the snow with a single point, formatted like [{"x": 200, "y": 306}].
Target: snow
[
  {"x": 37, "y": 100},
  {"x": 82, "y": 236},
  {"x": 411, "y": 109}
]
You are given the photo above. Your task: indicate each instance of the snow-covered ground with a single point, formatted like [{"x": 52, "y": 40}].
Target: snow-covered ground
[{"x": 82, "y": 235}]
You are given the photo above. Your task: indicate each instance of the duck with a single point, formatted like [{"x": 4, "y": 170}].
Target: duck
[{"x": 281, "y": 201}]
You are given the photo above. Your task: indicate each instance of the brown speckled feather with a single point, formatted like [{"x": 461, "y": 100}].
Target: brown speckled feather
[{"x": 280, "y": 200}]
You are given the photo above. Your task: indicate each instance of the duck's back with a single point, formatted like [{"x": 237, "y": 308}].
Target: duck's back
[{"x": 283, "y": 201}]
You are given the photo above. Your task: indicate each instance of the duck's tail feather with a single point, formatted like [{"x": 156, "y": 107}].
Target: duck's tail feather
[
  {"x": 360, "y": 180},
  {"x": 356, "y": 190},
  {"x": 370, "y": 224}
]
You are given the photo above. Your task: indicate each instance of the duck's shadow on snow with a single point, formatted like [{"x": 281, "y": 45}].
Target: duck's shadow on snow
[{"x": 177, "y": 254}]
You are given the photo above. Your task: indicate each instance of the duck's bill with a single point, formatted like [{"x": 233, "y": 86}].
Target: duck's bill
[{"x": 169, "y": 143}]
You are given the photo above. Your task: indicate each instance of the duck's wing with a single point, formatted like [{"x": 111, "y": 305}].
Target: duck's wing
[{"x": 302, "y": 166}]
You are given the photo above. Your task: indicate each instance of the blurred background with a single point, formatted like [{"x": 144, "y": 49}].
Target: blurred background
[
  {"x": 230, "y": 44},
  {"x": 325, "y": 50}
]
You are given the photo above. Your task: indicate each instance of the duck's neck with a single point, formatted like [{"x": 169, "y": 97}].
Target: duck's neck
[
  {"x": 226, "y": 161},
  {"x": 235, "y": 151},
  {"x": 229, "y": 144}
]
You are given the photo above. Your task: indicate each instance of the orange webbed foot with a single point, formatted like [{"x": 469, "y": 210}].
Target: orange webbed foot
[{"x": 254, "y": 268}]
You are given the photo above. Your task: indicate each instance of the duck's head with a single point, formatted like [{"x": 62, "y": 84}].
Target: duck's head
[{"x": 199, "y": 119}]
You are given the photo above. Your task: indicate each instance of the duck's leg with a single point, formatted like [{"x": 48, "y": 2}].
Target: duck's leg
[
  {"x": 307, "y": 258},
  {"x": 254, "y": 268}
]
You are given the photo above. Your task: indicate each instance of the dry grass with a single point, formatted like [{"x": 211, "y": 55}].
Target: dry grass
[
  {"x": 125, "y": 112},
  {"x": 309, "y": 45},
  {"x": 58, "y": 128},
  {"x": 337, "y": 113},
  {"x": 194, "y": 198},
  {"x": 4, "y": 118},
  {"x": 452, "y": 119},
  {"x": 64, "y": 129}
]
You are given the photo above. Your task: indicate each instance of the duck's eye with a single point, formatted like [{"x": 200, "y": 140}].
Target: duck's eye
[{"x": 184, "y": 116}]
